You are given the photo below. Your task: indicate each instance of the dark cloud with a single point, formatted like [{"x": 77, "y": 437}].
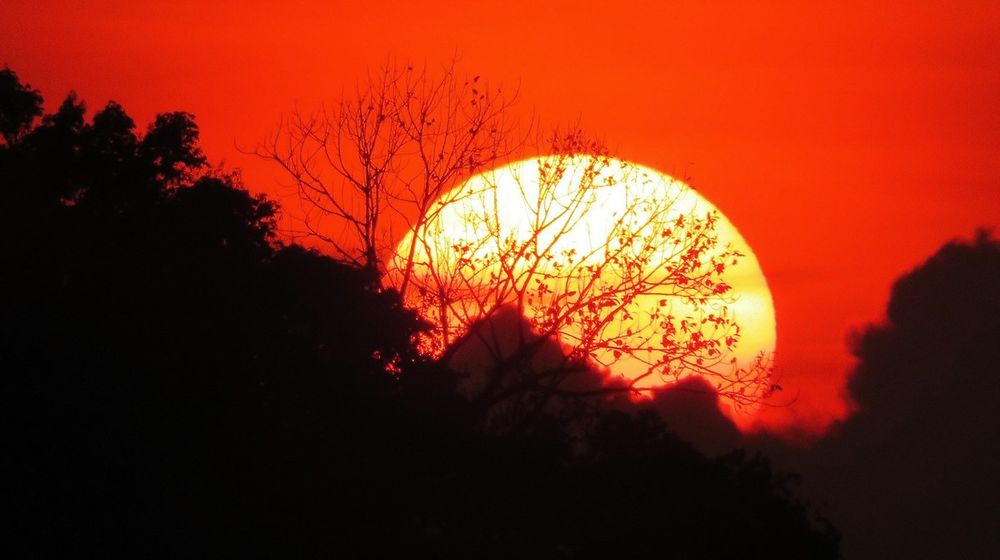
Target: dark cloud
[
  {"x": 691, "y": 410},
  {"x": 913, "y": 473}
]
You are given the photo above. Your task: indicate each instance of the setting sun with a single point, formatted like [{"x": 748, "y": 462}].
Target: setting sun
[
  {"x": 539, "y": 233},
  {"x": 412, "y": 279}
]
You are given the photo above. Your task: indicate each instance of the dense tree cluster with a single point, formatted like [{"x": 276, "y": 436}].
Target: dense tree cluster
[{"x": 177, "y": 381}]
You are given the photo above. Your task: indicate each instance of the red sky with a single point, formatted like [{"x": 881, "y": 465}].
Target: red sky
[{"x": 846, "y": 140}]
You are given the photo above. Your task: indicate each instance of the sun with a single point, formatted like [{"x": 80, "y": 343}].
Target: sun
[{"x": 628, "y": 263}]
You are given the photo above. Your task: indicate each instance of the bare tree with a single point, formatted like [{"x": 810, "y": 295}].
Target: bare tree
[
  {"x": 609, "y": 264},
  {"x": 641, "y": 293},
  {"x": 402, "y": 138}
]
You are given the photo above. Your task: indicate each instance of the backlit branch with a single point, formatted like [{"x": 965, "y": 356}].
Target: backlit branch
[
  {"x": 644, "y": 291},
  {"x": 397, "y": 143}
]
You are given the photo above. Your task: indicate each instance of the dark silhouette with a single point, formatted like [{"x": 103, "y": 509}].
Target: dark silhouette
[
  {"x": 21, "y": 106},
  {"x": 691, "y": 410},
  {"x": 921, "y": 450},
  {"x": 912, "y": 472},
  {"x": 178, "y": 382}
]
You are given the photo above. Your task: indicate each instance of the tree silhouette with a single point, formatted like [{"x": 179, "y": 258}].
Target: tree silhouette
[
  {"x": 178, "y": 382},
  {"x": 162, "y": 354},
  {"x": 641, "y": 289},
  {"x": 395, "y": 145},
  {"x": 650, "y": 291},
  {"x": 21, "y": 106}
]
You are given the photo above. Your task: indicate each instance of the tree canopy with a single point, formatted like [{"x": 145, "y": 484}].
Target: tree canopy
[
  {"x": 179, "y": 381},
  {"x": 611, "y": 265}
]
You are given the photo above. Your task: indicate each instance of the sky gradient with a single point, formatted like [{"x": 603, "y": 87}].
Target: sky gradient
[{"x": 846, "y": 141}]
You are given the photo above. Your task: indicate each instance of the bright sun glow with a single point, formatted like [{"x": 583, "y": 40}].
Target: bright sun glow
[{"x": 571, "y": 207}]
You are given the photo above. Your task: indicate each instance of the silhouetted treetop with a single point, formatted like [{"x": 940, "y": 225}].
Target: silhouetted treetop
[
  {"x": 104, "y": 164},
  {"x": 171, "y": 146},
  {"x": 179, "y": 382},
  {"x": 112, "y": 133},
  {"x": 20, "y": 105},
  {"x": 214, "y": 212},
  {"x": 69, "y": 117}
]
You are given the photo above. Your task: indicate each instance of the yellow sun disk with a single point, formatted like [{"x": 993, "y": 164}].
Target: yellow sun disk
[{"x": 511, "y": 197}]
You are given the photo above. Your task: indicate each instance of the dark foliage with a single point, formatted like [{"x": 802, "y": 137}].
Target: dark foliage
[
  {"x": 178, "y": 383},
  {"x": 21, "y": 106}
]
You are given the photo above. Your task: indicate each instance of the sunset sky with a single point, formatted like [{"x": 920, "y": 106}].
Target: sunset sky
[{"x": 845, "y": 140}]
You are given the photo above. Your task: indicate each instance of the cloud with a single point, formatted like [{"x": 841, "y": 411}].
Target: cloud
[
  {"x": 912, "y": 474},
  {"x": 690, "y": 409}
]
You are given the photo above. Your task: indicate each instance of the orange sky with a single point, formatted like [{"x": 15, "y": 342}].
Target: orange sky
[{"x": 846, "y": 140}]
